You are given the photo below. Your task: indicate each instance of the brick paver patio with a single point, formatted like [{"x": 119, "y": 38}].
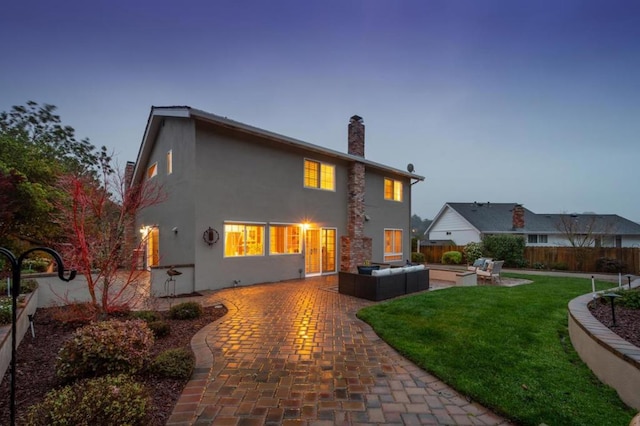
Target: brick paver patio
[{"x": 294, "y": 353}]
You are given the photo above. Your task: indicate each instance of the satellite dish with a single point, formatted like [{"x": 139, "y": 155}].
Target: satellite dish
[{"x": 410, "y": 167}]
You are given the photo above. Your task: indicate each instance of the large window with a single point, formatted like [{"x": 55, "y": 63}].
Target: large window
[
  {"x": 319, "y": 175},
  {"x": 392, "y": 190},
  {"x": 284, "y": 239},
  {"x": 243, "y": 240},
  {"x": 392, "y": 244}
]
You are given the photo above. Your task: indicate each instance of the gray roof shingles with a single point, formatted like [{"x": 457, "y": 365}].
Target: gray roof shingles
[{"x": 498, "y": 218}]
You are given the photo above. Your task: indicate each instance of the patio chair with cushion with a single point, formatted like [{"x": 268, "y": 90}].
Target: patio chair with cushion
[
  {"x": 480, "y": 263},
  {"x": 492, "y": 272}
]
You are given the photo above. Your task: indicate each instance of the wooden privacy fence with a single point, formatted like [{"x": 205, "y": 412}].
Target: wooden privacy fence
[{"x": 558, "y": 258}]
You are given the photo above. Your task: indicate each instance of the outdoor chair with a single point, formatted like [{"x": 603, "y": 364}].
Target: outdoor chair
[
  {"x": 492, "y": 273},
  {"x": 481, "y": 263}
]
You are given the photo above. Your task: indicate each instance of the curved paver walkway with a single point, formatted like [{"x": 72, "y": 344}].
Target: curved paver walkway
[{"x": 295, "y": 353}]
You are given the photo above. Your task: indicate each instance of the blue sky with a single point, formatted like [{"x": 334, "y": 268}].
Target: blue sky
[{"x": 536, "y": 102}]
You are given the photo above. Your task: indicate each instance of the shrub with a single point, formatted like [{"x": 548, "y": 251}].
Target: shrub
[
  {"x": 148, "y": 316},
  {"x": 105, "y": 347},
  {"x": 559, "y": 266},
  {"x": 605, "y": 264},
  {"x": 174, "y": 363},
  {"x": 539, "y": 265},
  {"x": 629, "y": 299},
  {"x": 5, "y": 310},
  {"x": 38, "y": 264},
  {"x": 509, "y": 248},
  {"x": 75, "y": 314},
  {"x": 159, "y": 328},
  {"x": 186, "y": 310},
  {"x": 473, "y": 251},
  {"x": 417, "y": 257},
  {"x": 452, "y": 258},
  {"x": 26, "y": 286},
  {"x": 108, "y": 400}
]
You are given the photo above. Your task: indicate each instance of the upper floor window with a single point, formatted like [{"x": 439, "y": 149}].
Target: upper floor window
[
  {"x": 152, "y": 170},
  {"x": 319, "y": 175},
  {"x": 392, "y": 244},
  {"x": 392, "y": 190},
  {"x": 284, "y": 239},
  {"x": 170, "y": 162},
  {"x": 243, "y": 240}
]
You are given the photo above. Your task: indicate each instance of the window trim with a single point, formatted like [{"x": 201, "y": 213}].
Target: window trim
[
  {"x": 386, "y": 254},
  {"x": 394, "y": 192},
  {"x": 319, "y": 180}
]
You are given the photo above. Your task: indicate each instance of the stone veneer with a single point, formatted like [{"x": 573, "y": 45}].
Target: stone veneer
[{"x": 355, "y": 248}]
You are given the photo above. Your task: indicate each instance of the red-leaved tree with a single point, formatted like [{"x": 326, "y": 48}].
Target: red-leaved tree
[{"x": 98, "y": 217}]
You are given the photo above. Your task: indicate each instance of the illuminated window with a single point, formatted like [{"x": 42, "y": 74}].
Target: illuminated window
[
  {"x": 284, "y": 239},
  {"x": 319, "y": 175},
  {"x": 392, "y": 190},
  {"x": 170, "y": 162},
  {"x": 392, "y": 244},
  {"x": 152, "y": 170},
  {"x": 243, "y": 240}
]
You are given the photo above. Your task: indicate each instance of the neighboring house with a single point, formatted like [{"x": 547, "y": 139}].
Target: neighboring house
[
  {"x": 467, "y": 222},
  {"x": 245, "y": 205}
]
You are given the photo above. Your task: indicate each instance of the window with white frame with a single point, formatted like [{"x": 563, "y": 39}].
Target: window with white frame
[
  {"x": 243, "y": 239},
  {"x": 319, "y": 175},
  {"x": 284, "y": 239},
  {"x": 392, "y": 189},
  {"x": 392, "y": 244},
  {"x": 537, "y": 239}
]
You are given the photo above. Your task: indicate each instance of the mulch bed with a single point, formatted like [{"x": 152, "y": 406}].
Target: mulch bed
[
  {"x": 627, "y": 320},
  {"x": 35, "y": 372}
]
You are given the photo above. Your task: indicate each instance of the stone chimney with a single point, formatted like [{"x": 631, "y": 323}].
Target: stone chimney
[
  {"x": 518, "y": 216},
  {"x": 355, "y": 248}
]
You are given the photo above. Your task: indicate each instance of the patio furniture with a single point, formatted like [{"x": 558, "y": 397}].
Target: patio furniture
[
  {"x": 480, "y": 263},
  {"x": 492, "y": 272},
  {"x": 385, "y": 283}
]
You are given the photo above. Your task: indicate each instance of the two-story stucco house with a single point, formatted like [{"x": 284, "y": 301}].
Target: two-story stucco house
[{"x": 245, "y": 205}]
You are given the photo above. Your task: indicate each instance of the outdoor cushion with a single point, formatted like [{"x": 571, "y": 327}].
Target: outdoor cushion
[
  {"x": 381, "y": 272},
  {"x": 479, "y": 262}
]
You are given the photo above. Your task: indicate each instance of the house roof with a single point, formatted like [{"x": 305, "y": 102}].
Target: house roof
[
  {"x": 158, "y": 113},
  {"x": 495, "y": 218}
]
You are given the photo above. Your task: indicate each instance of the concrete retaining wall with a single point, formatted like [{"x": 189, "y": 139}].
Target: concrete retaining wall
[
  {"x": 615, "y": 361},
  {"x": 22, "y": 325}
]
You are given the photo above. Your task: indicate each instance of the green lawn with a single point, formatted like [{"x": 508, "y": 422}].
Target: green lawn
[{"x": 507, "y": 348}]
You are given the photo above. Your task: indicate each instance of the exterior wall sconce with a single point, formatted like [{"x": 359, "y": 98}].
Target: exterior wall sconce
[{"x": 210, "y": 236}]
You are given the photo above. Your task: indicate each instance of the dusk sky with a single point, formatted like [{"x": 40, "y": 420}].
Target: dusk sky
[{"x": 536, "y": 102}]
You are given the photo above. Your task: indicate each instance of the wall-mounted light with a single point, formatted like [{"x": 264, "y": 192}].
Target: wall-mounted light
[
  {"x": 210, "y": 236},
  {"x": 175, "y": 229},
  {"x": 367, "y": 218}
]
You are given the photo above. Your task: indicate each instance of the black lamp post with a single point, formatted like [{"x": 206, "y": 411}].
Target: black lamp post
[
  {"x": 629, "y": 278},
  {"x": 612, "y": 298},
  {"x": 16, "y": 266}
]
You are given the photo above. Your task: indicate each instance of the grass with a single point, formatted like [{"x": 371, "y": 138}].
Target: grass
[{"x": 507, "y": 348}]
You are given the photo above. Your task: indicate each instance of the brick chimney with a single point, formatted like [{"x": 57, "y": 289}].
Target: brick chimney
[
  {"x": 355, "y": 248},
  {"x": 130, "y": 235},
  {"x": 518, "y": 216},
  {"x": 356, "y": 136}
]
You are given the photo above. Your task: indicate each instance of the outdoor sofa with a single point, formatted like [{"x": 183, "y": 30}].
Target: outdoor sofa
[{"x": 384, "y": 283}]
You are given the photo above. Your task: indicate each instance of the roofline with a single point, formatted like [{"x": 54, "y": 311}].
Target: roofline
[{"x": 157, "y": 113}]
